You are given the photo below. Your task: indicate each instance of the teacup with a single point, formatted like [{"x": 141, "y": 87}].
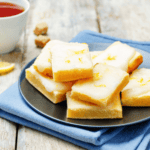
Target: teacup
[{"x": 11, "y": 27}]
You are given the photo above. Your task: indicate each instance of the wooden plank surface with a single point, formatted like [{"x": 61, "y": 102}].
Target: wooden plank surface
[
  {"x": 8, "y": 129},
  {"x": 7, "y": 135},
  {"x": 65, "y": 20},
  {"x": 29, "y": 139},
  {"x": 125, "y": 18}
]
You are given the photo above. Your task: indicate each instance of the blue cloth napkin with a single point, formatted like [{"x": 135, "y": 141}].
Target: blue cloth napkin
[{"x": 14, "y": 108}]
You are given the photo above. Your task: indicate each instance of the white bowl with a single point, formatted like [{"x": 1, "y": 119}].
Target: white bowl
[{"x": 12, "y": 27}]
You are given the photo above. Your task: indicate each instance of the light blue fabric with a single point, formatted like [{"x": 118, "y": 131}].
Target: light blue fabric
[
  {"x": 88, "y": 36},
  {"x": 14, "y": 108}
]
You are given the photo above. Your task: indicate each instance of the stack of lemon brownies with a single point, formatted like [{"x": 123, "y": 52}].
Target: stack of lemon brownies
[{"x": 91, "y": 82}]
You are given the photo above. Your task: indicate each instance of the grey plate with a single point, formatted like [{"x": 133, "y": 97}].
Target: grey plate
[{"x": 42, "y": 105}]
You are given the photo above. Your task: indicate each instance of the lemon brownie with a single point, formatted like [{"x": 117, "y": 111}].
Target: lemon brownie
[
  {"x": 54, "y": 91},
  {"x": 119, "y": 55},
  {"x": 84, "y": 110},
  {"x": 105, "y": 83},
  {"x": 71, "y": 61},
  {"x": 137, "y": 91},
  {"x": 43, "y": 62}
]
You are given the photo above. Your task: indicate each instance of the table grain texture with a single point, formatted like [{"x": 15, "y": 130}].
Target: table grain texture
[{"x": 66, "y": 18}]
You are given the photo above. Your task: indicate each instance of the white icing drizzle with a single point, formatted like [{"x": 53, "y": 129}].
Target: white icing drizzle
[
  {"x": 139, "y": 82},
  {"x": 44, "y": 59},
  {"x": 117, "y": 55},
  {"x": 49, "y": 84},
  {"x": 100, "y": 88},
  {"x": 71, "y": 56}
]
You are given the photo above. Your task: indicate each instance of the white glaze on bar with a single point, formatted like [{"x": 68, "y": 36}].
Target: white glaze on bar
[
  {"x": 71, "y": 56},
  {"x": 77, "y": 104},
  {"x": 44, "y": 59},
  {"x": 139, "y": 82},
  {"x": 119, "y": 53},
  {"x": 49, "y": 84},
  {"x": 108, "y": 80}
]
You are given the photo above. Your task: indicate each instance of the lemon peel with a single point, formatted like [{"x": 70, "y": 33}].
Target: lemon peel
[
  {"x": 80, "y": 59},
  {"x": 97, "y": 76},
  {"x": 111, "y": 57},
  {"x": 67, "y": 61},
  {"x": 101, "y": 85}
]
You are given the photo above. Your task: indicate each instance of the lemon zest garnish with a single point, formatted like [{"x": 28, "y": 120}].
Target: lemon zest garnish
[
  {"x": 94, "y": 56},
  {"x": 49, "y": 60},
  {"x": 80, "y": 59},
  {"x": 97, "y": 76},
  {"x": 143, "y": 84},
  {"x": 101, "y": 85},
  {"x": 111, "y": 57},
  {"x": 83, "y": 43},
  {"x": 6, "y": 67},
  {"x": 132, "y": 78},
  {"x": 56, "y": 86},
  {"x": 79, "y": 52},
  {"x": 67, "y": 61},
  {"x": 106, "y": 69},
  {"x": 141, "y": 80}
]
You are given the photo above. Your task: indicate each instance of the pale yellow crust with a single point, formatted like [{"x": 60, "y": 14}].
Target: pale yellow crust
[
  {"x": 55, "y": 98},
  {"x": 135, "y": 62},
  {"x": 137, "y": 101},
  {"x": 91, "y": 111},
  {"x": 71, "y": 75},
  {"x": 137, "y": 92},
  {"x": 47, "y": 71},
  {"x": 101, "y": 102},
  {"x": 92, "y": 114}
]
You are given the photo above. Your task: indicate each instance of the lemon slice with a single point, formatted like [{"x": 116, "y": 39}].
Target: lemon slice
[{"x": 6, "y": 67}]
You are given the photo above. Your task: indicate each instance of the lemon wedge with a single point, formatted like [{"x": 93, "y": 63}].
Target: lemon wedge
[{"x": 6, "y": 67}]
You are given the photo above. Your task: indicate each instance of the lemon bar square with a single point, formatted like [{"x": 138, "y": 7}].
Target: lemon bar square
[
  {"x": 54, "y": 91},
  {"x": 77, "y": 109},
  {"x": 105, "y": 83},
  {"x": 71, "y": 61},
  {"x": 119, "y": 55},
  {"x": 43, "y": 63},
  {"x": 137, "y": 91}
]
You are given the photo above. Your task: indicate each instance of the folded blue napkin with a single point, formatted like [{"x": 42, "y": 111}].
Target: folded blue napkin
[{"x": 14, "y": 108}]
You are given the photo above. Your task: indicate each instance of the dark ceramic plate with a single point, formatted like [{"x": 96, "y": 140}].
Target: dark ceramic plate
[{"x": 57, "y": 112}]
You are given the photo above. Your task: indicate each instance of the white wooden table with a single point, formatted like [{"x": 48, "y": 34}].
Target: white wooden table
[{"x": 66, "y": 18}]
